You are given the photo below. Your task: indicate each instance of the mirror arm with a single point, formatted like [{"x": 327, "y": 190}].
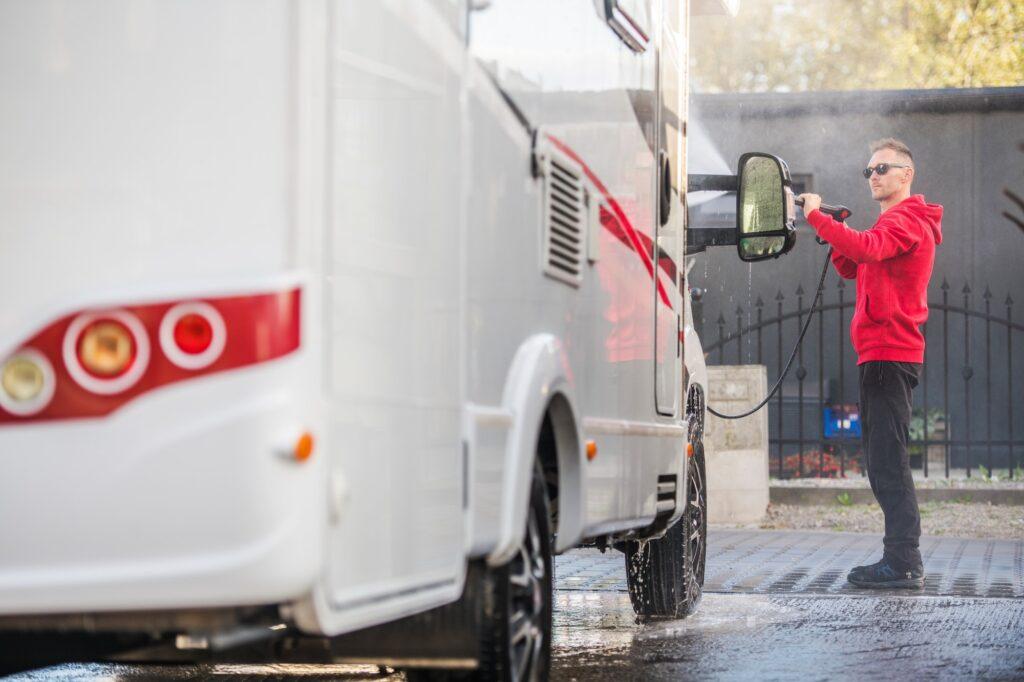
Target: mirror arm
[
  {"x": 699, "y": 239},
  {"x": 712, "y": 183}
]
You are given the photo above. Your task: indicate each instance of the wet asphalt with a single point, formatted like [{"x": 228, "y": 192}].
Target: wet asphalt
[
  {"x": 777, "y": 608},
  {"x": 764, "y": 637}
]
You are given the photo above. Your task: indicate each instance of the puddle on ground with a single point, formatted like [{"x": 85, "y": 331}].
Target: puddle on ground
[{"x": 605, "y": 620}]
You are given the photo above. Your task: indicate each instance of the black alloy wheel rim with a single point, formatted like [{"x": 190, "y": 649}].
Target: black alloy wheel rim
[
  {"x": 527, "y": 578},
  {"x": 696, "y": 537}
]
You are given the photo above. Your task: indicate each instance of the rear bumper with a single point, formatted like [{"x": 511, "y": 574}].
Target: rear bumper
[{"x": 182, "y": 499}]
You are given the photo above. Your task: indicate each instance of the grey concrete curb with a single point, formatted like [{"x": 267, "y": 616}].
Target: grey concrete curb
[{"x": 829, "y": 496}]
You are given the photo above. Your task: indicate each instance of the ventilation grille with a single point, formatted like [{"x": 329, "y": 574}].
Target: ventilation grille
[
  {"x": 666, "y": 494},
  {"x": 564, "y": 219}
]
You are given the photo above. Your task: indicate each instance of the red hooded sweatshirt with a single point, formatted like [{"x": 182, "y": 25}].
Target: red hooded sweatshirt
[{"x": 892, "y": 263}]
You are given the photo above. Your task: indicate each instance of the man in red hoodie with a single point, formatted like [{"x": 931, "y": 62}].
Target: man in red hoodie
[{"x": 892, "y": 263}]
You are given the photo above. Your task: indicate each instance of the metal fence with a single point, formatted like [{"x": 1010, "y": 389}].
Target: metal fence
[{"x": 964, "y": 407}]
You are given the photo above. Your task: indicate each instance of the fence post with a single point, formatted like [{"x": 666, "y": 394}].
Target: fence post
[
  {"x": 987, "y": 296},
  {"x": 1009, "y": 376},
  {"x": 800, "y": 374},
  {"x": 779, "y": 297},
  {"x": 945, "y": 368},
  {"x": 967, "y": 372},
  {"x": 924, "y": 398},
  {"x": 842, "y": 371},
  {"x": 821, "y": 389}
]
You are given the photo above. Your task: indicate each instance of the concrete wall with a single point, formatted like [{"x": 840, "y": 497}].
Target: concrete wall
[{"x": 736, "y": 451}]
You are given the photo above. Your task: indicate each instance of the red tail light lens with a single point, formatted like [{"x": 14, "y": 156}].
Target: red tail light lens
[{"x": 193, "y": 335}]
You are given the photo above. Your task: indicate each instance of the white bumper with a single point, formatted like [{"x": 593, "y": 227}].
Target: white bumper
[{"x": 181, "y": 499}]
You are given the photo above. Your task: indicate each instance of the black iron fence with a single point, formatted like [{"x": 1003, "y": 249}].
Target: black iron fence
[{"x": 964, "y": 408}]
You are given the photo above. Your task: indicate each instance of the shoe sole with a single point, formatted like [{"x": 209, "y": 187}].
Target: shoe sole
[{"x": 903, "y": 584}]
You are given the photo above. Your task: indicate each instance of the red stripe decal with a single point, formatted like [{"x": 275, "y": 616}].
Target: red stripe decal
[{"x": 620, "y": 227}]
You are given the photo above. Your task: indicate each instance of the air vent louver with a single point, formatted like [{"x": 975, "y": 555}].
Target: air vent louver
[{"x": 564, "y": 219}]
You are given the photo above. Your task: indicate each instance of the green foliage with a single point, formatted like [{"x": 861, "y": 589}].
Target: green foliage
[
  {"x": 797, "y": 45},
  {"x": 983, "y": 470},
  {"x": 844, "y": 499},
  {"x": 936, "y": 428},
  {"x": 936, "y": 423}
]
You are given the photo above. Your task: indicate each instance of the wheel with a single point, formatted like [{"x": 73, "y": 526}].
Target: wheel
[
  {"x": 665, "y": 576},
  {"x": 515, "y": 636}
]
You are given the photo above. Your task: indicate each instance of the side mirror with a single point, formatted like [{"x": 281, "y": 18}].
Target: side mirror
[{"x": 765, "y": 212}]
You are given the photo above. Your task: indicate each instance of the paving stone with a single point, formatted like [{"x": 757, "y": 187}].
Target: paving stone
[{"x": 797, "y": 562}]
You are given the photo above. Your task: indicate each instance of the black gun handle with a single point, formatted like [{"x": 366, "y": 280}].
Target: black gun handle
[{"x": 840, "y": 213}]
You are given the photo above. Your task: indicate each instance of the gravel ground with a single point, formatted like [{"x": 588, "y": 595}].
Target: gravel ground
[
  {"x": 952, "y": 519},
  {"x": 856, "y": 481}
]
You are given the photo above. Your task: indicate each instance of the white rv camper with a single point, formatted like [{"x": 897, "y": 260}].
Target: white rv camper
[{"x": 328, "y": 315}]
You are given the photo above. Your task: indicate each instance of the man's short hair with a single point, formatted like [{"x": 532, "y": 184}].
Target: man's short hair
[{"x": 892, "y": 143}]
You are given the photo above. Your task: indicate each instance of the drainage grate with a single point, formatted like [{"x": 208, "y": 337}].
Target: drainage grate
[{"x": 795, "y": 562}]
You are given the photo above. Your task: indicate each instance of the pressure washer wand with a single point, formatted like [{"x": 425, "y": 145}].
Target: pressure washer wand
[{"x": 840, "y": 213}]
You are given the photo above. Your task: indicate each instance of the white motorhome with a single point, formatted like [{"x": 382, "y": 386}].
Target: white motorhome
[{"x": 328, "y": 315}]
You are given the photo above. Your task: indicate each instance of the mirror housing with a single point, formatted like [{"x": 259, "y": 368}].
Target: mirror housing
[{"x": 765, "y": 210}]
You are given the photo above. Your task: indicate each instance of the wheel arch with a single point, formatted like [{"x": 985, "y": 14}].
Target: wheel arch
[{"x": 539, "y": 391}]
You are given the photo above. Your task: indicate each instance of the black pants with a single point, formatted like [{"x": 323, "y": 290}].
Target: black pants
[{"x": 885, "y": 399}]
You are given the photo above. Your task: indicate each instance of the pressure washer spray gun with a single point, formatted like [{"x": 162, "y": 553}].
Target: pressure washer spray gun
[{"x": 840, "y": 213}]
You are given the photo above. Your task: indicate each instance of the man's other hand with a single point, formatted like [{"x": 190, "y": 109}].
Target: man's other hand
[{"x": 811, "y": 203}]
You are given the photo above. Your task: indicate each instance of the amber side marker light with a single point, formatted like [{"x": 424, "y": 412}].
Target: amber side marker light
[
  {"x": 303, "y": 449},
  {"x": 591, "y": 450},
  {"x": 689, "y": 449}
]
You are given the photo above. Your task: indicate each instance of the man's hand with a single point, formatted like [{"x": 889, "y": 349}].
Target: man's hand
[{"x": 811, "y": 203}]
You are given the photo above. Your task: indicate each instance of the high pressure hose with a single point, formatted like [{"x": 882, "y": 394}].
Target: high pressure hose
[{"x": 792, "y": 356}]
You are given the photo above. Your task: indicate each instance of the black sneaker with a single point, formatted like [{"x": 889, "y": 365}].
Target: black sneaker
[{"x": 883, "y": 575}]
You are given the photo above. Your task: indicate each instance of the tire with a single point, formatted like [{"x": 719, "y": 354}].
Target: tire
[
  {"x": 515, "y": 634},
  {"x": 516, "y": 637},
  {"x": 665, "y": 576}
]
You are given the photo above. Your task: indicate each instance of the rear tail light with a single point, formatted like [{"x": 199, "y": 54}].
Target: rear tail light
[
  {"x": 106, "y": 349},
  {"x": 193, "y": 335},
  {"x": 92, "y": 363},
  {"x": 26, "y": 383},
  {"x": 106, "y": 353}
]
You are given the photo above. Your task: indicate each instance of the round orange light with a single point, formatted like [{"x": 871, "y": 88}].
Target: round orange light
[
  {"x": 689, "y": 449},
  {"x": 303, "y": 447},
  {"x": 591, "y": 450},
  {"x": 106, "y": 348}
]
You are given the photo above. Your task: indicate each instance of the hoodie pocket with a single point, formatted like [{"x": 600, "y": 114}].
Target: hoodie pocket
[
  {"x": 873, "y": 309},
  {"x": 878, "y": 295}
]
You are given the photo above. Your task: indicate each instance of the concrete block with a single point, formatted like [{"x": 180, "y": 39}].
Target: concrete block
[{"x": 736, "y": 451}]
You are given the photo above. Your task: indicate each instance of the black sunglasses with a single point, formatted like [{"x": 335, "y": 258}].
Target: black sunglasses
[{"x": 882, "y": 168}]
